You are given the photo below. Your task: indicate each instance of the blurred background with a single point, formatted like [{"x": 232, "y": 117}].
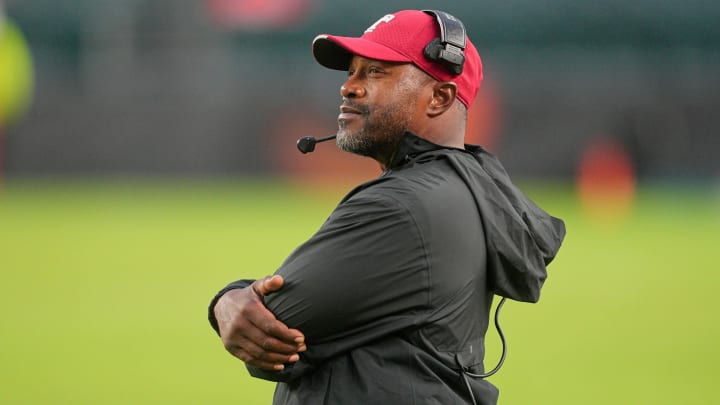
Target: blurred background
[
  {"x": 223, "y": 86},
  {"x": 147, "y": 158}
]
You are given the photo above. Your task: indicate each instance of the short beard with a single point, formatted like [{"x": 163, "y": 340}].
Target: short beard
[{"x": 378, "y": 138}]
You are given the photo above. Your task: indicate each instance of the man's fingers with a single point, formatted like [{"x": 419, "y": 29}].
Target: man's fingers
[
  {"x": 299, "y": 339},
  {"x": 251, "y": 332},
  {"x": 267, "y": 285},
  {"x": 248, "y": 359},
  {"x": 280, "y": 331},
  {"x": 268, "y": 343},
  {"x": 265, "y": 321},
  {"x": 258, "y": 356}
]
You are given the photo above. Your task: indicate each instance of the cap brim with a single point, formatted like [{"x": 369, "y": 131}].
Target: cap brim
[{"x": 335, "y": 52}]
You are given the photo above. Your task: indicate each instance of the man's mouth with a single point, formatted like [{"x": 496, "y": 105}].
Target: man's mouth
[
  {"x": 346, "y": 109},
  {"x": 349, "y": 111}
]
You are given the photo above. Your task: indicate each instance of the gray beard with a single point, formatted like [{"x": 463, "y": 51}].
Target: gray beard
[{"x": 377, "y": 140}]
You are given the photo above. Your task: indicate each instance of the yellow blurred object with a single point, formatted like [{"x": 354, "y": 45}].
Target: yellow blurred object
[{"x": 16, "y": 73}]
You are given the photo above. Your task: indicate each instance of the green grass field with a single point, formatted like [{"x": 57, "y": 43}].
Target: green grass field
[{"x": 104, "y": 288}]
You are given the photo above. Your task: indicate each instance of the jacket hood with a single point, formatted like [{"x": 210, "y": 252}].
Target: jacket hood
[{"x": 521, "y": 238}]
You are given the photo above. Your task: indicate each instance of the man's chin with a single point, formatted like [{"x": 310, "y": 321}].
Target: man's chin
[{"x": 352, "y": 143}]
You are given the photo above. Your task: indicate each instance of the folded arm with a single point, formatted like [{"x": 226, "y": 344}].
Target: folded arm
[
  {"x": 248, "y": 330},
  {"x": 362, "y": 276}
]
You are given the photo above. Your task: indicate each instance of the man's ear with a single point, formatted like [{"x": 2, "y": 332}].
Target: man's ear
[{"x": 444, "y": 94}]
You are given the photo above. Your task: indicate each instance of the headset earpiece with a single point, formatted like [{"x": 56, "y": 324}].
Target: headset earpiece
[{"x": 449, "y": 48}]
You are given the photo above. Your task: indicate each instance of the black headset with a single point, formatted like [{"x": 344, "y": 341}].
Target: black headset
[{"x": 449, "y": 49}]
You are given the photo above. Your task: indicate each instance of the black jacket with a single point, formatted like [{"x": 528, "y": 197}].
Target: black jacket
[{"x": 393, "y": 292}]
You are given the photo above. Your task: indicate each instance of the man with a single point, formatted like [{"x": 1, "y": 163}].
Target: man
[{"x": 389, "y": 301}]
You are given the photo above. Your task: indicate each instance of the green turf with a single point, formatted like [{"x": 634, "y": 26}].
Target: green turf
[{"x": 104, "y": 287}]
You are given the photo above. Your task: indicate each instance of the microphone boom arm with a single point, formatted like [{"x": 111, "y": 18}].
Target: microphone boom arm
[{"x": 306, "y": 144}]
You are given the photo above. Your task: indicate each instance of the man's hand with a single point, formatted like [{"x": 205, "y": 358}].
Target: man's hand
[{"x": 251, "y": 332}]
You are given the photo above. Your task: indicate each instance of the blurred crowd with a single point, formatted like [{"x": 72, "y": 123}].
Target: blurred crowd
[{"x": 224, "y": 87}]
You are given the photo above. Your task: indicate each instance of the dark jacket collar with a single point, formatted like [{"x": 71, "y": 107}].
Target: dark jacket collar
[{"x": 410, "y": 146}]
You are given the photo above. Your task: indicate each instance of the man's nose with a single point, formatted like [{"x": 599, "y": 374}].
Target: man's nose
[{"x": 352, "y": 88}]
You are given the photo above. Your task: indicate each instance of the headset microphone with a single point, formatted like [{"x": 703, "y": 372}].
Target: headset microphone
[{"x": 306, "y": 144}]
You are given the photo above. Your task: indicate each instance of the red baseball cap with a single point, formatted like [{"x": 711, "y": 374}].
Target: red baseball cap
[{"x": 401, "y": 37}]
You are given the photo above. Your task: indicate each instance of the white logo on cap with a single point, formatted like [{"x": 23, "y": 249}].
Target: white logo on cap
[{"x": 385, "y": 19}]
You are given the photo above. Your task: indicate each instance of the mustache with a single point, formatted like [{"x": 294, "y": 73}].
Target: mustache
[{"x": 364, "y": 109}]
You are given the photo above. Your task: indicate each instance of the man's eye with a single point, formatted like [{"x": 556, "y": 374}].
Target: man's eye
[{"x": 374, "y": 69}]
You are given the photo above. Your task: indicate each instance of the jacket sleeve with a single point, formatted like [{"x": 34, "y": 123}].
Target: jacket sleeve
[{"x": 362, "y": 276}]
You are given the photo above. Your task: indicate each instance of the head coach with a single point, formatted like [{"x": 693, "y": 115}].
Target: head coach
[{"x": 389, "y": 301}]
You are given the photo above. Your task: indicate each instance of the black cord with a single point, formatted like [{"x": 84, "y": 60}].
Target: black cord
[
  {"x": 504, "y": 346},
  {"x": 466, "y": 374},
  {"x": 467, "y": 384}
]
